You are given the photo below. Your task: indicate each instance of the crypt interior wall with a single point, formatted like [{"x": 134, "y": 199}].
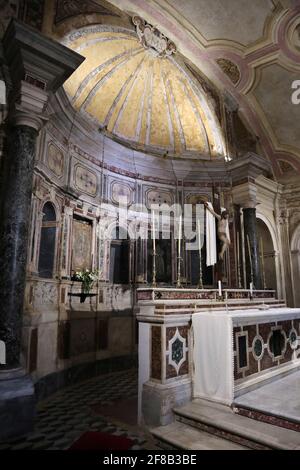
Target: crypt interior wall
[
  {"x": 79, "y": 172},
  {"x": 82, "y": 174},
  {"x": 78, "y": 176}
]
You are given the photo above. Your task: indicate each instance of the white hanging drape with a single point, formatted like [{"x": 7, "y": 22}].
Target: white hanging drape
[{"x": 211, "y": 248}]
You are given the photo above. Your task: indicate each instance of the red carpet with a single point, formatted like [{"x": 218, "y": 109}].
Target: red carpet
[{"x": 93, "y": 440}]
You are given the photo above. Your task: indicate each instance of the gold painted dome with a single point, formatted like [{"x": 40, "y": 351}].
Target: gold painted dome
[{"x": 145, "y": 99}]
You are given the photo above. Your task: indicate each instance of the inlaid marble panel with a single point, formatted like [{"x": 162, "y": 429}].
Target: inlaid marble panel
[
  {"x": 156, "y": 352},
  {"x": 120, "y": 191},
  {"x": 55, "y": 160},
  {"x": 85, "y": 180},
  {"x": 158, "y": 197}
]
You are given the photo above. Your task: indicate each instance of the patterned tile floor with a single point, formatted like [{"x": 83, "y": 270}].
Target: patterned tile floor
[{"x": 66, "y": 415}]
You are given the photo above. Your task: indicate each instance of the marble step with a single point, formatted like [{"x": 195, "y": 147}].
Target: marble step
[
  {"x": 181, "y": 436},
  {"x": 221, "y": 421},
  {"x": 231, "y": 305},
  {"x": 276, "y": 402}
]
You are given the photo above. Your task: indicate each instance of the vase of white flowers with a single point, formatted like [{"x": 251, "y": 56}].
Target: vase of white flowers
[{"x": 87, "y": 278}]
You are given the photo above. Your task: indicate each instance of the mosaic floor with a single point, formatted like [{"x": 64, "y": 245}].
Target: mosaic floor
[{"x": 65, "y": 416}]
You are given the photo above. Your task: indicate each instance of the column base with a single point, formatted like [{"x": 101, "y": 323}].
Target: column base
[
  {"x": 158, "y": 401},
  {"x": 17, "y": 403}
]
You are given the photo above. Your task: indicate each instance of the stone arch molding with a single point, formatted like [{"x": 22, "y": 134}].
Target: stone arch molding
[
  {"x": 274, "y": 236},
  {"x": 113, "y": 225},
  {"x": 271, "y": 228},
  {"x": 295, "y": 264}
]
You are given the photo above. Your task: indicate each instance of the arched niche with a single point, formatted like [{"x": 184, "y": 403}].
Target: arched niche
[
  {"x": 47, "y": 242},
  {"x": 193, "y": 256},
  {"x": 269, "y": 261},
  {"x": 119, "y": 256},
  {"x": 295, "y": 262}
]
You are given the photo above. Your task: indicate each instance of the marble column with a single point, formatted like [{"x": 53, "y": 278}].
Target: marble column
[
  {"x": 14, "y": 227},
  {"x": 250, "y": 233},
  {"x": 37, "y": 67}
]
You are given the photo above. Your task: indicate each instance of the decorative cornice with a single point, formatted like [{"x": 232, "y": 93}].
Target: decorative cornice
[{"x": 44, "y": 60}]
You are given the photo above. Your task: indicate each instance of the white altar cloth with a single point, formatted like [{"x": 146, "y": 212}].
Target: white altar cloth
[{"x": 213, "y": 360}]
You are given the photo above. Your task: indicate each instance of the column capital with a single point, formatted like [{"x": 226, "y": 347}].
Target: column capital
[
  {"x": 244, "y": 195},
  {"x": 27, "y": 106}
]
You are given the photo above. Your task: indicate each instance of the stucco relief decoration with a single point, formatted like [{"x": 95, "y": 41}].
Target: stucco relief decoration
[
  {"x": 177, "y": 351},
  {"x": 85, "y": 180},
  {"x": 152, "y": 39},
  {"x": 230, "y": 69},
  {"x": 55, "y": 160},
  {"x": 286, "y": 167},
  {"x": 158, "y": 197},
  {"x": 121, "y": 191}
]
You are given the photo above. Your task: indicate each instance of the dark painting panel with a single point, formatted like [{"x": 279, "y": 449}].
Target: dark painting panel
[{"x": 82, "y": 245}]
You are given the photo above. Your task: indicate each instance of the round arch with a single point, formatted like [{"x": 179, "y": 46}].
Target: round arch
[
  {"x": 272, "y": 260},
  {"x": 295, "y": 264},
  {"x": 119, "y": 252},
  {"x": 48, "y": 240}
]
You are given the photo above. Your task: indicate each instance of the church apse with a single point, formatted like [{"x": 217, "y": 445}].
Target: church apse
[{"x": 128, "y": 124}]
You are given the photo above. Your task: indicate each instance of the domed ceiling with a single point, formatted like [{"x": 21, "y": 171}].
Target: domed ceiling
[{"x": 132, "y": 84}]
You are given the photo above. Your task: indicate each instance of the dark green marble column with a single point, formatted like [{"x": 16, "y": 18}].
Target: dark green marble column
[
  {"x": 14, "y": 226},
  {"x": 250, "y": 232}
]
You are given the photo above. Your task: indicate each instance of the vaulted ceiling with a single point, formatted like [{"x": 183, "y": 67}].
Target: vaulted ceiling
[
  {"x": 141, "y": 94},
  {"x": 251, "y": 51}
]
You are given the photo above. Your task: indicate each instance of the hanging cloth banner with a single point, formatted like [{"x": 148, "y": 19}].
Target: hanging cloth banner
[{"x": 211, "y": 248}]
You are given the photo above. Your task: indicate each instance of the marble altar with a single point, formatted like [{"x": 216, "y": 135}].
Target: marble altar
[
  {"x": 235, "y": 352},
  {"x": 237, "y": 342}
]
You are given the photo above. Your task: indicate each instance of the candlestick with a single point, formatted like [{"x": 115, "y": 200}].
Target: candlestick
[
  {"x": 238, "y": 261},
  {"x": 200, "y": 257},
  {"x": 153, "y": 231},
  {"x": 154, "y": 251},
  {"x": 220, "y": 288},
  {"x": 251, "y": 288},
  {"x": 263, "y": 263},
  {"x": 179, "y": 236},
  {"x": 179, "y": 253}
]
